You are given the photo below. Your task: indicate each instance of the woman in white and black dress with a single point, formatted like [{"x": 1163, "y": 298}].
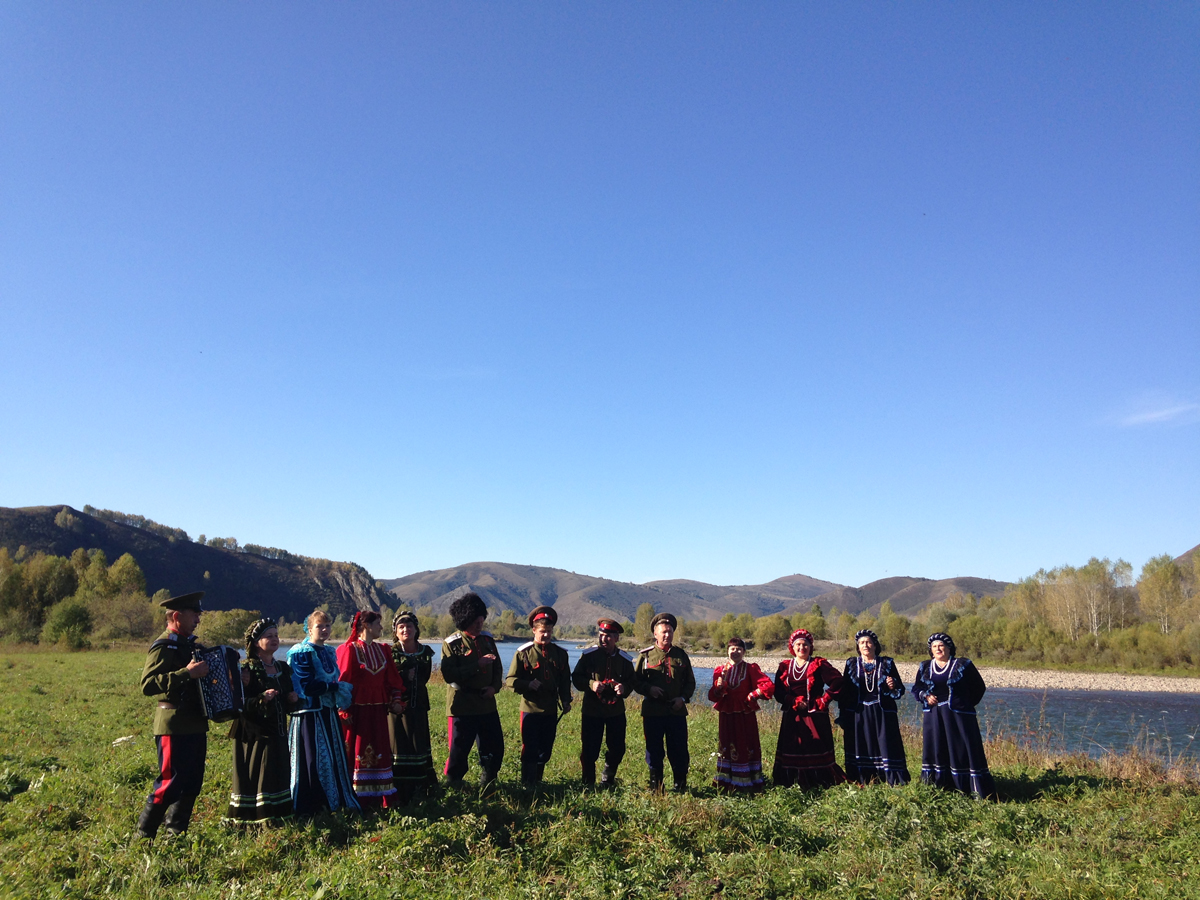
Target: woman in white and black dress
[
  {"x": 949, "y": 687},
  {"x": 870, "y": 723}
]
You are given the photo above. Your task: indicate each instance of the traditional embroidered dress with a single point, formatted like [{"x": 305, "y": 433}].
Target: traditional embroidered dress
[
  {"x": 804, "y": 755},
  {"x": 870, "y": 725},
  {"x": 320, "y": 778},
  {"x": 412, "y": 756},
  {"x": 739, "y": 753},
  {"x": 262, "y": 765},
  {"x": 952, "y": 754},
  {"x": 368, "y": 667}
]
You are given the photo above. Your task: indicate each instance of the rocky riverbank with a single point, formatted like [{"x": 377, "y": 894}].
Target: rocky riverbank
[{"x": 1032, "y": 679}]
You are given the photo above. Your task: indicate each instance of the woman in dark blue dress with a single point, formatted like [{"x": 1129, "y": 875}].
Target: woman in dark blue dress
[
  {"x": 867, "y": 707},
  {"x": 949, "y": 688}
]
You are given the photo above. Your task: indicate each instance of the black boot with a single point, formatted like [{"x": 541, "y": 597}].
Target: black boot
[
  {"x": 608, "y": 778},
  {"x": 681, "y": 784},
  {"x": 487, "y": 783},
  {"x": 656, "y": 780},
  {"x": 149, "y": 821},
  {"x": 589, "y": 773},
  {"x": 179, "y": 815}
]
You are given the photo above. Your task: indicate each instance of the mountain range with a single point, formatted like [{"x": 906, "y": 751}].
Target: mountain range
[
  {"x": 293, "y": 585},
  {"x": 581, "y": 599}
]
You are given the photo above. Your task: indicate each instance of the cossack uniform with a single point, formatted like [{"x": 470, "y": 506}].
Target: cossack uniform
[
  {"x": 597, "y": 675},
  {"x": 471, "y": 716},
  {"x": 548, "y": 666},
  {"x": 670, "y": 670},
  {"x": 180, "y": 726}
]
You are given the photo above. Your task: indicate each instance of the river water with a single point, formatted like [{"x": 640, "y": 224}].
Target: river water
[{"x": 1094, "y": 722}]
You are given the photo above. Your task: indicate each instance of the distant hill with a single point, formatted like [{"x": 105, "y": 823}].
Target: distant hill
[
  {"x": 907, "y": 595},
  {"x": 581, "y": 599},
  {"x": 290, "y": 587},
  {"x": 1185, "y": 559}
]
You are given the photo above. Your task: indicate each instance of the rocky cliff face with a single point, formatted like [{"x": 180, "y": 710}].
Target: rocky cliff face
[{"x": 349, "y": 588}]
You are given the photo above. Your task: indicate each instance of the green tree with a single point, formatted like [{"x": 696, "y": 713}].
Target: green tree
[
  {"x": 771, "y": 631},
  {"x": 1160, "y": 590},
  {"x": 641, "y": 622}
]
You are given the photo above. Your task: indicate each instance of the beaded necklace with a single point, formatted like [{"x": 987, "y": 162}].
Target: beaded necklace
[
  {"x": 868, "y": 670},
  {"x": 797, "y": 675}
]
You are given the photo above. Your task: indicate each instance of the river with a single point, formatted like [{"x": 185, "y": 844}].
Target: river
[{"x": 1094, "y": 722}]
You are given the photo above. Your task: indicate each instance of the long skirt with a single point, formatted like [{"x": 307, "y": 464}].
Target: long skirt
[
  {"x": 320, "y": 779},
  {"x": 739, "y": 753},
  {"x": 804, "y": 755},
  {"x": 874, "y": 749},
  {"x": 369, "y": 748},
  {"x": 412, "y": 755},
  {"x": 262, "y": 774},
  {"x": 952, "y": 753}
]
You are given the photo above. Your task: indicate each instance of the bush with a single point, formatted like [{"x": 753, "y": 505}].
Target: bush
[
  {"x": 225, "y": 626},
  {"x": 68, "y": 623}
]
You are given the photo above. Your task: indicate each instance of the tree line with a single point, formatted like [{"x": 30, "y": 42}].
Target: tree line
[{"x": 1094, "y": 615}]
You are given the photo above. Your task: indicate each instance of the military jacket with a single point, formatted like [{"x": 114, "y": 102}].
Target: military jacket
[
  {"x": 464, "y": 679},
  {"x": 165, "y": 678},
  {"x": 551, "y": 668},
  {"x": 597, "y": 669},
  {"x": 670, "y": 670}
]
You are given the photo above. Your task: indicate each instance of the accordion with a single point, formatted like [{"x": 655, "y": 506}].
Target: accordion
[{"x": 221, "y": 689}]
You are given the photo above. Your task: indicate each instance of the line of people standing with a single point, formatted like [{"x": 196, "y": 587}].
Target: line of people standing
[{"x": 349, "y": 729}]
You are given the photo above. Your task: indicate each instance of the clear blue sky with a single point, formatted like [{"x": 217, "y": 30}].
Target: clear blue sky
[{"x": 724, "y": 291}]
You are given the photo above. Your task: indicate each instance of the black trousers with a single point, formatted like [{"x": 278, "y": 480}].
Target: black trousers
[
  {"x": 538, "y": 731},
  {"x": 674, "y": 730},
  {"x": 181, "y": 759},
  {"x": 591, "y": 734},
  {"x": 464, "y": 732}
]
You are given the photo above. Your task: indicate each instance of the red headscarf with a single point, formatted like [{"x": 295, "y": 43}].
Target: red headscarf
[{"x": 799, "y": 634}]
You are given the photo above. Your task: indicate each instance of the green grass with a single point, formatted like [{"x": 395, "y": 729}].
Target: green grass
[{"x": 1067, "y": 827}]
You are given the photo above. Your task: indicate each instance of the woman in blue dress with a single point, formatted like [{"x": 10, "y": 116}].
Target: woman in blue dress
[
  {"x": 867, "y": 714},
  {"x": 320, "y": 776},
  {"x": 949, "y": 687}
]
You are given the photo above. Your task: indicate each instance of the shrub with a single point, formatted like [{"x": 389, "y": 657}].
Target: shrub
[{"x": 68, "y": 623}]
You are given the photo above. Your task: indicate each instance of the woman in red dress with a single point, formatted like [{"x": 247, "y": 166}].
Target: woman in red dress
[
  {"x": 735, "y": 692},
  {"x": 804, "y": 687},
  {"x": 378, "y": 688}
]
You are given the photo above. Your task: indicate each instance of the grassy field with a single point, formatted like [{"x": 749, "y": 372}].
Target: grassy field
[{"x": 1066, "y": 827}]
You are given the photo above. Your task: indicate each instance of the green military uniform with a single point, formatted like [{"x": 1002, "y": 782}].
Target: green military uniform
[
  {"x": 165, "y": 677},
  {"x": 180, "y": 726},
  {"x": 548, "y": 665},
  {"x": 670, "y": 670},
  {"x": 472, "y": 716},
  {"x": 551, "y": 668}
]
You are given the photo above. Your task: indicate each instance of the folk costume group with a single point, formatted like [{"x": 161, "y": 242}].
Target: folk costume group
[{"x": 349, "y": 729}]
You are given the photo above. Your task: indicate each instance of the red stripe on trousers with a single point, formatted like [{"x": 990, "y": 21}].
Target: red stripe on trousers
[
  {"x": 167, "y": 772},
  {"x": 449, "y": 742}
]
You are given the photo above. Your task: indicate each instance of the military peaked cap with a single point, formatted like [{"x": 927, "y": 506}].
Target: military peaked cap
[
  {"x": 543, "y": 613},
  {"x": 184, "y": 601},
  {"x": 664, "y": 617},
  {"x": 611, "y": 626}
]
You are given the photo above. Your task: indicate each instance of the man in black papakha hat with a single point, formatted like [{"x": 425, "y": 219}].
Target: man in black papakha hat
[
  {"x": 541, "y": 673},
  {"x": 471, "y": 669},
  {"x": 605, "y": 675},
  {"x": 665, "y": 679},
  {"x": 180, "y": 726}
]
